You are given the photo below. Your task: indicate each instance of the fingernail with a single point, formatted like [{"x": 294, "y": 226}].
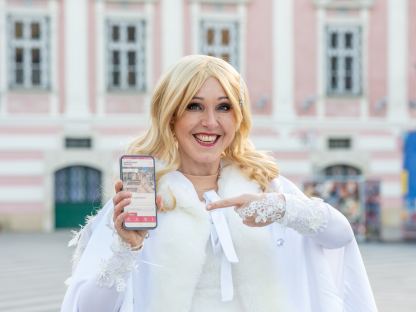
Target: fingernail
[{"x": 209, "y": 206}]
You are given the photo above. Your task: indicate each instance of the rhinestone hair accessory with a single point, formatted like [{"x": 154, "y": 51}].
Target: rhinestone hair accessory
[{"x": 241, "y": 92}]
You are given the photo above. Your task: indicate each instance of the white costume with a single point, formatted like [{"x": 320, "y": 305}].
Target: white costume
[{"x": 309, "y": 263}]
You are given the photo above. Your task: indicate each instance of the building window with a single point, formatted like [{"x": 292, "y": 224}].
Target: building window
[
  {"x": 28, "y": 52},
  {"x": 77, "y": 184},
  {"x": 343, "y": 60},
  {"x": 344, "y": 4},
  {"x": 126, "y": 55},
  {"x": 339, "y": 143},
  {"x": 341, "y": 171},
  {"x": 221, "y": 39},
  {"x": 78, "y": 143}
]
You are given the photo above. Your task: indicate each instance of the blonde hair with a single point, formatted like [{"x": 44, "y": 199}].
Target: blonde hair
[{"x": 174, "y": 92}]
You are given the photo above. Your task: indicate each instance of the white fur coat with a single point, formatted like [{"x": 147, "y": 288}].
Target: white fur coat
[{"x": 301, "y": 275}]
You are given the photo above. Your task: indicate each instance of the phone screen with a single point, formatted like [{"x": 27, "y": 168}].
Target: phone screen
[{"x": 138, "y": 176}]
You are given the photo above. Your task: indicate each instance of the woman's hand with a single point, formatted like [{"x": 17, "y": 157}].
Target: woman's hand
[
  {"x": 122, "y": 199},
  {"x": 250, "y": 207},
  {"x": 255, "y": 210}
]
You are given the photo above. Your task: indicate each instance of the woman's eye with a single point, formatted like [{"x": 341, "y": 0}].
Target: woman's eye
[
  {"x": 224, "y": 107},
  {"x": 194, "y": 106}
]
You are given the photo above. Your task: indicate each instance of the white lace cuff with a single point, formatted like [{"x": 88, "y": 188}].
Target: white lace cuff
[
  {"x": 114, "y": 271},
  {"x": 271, "y": 208},
  {"x": 306, "y": 216}
]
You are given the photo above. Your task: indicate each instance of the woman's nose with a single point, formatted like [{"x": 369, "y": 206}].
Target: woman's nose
[{"x": 209, "y": 119}]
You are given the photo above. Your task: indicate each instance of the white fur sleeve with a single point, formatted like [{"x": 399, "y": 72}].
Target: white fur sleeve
[
  {"x": 113, "y": 271},
  {"x": 105, "y": 292},
  {"x": 313, "y": 217}
]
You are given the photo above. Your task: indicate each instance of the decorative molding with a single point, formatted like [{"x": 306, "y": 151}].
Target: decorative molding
[
  {"x": 221, "y": 1},
  {"x": 381, "y": 104},
  {"x": 308, "y": 102},
  {"x": 344, "y": 4}
]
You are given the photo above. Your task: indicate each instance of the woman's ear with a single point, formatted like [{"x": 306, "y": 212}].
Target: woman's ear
[{"x": 172, "y": 128}]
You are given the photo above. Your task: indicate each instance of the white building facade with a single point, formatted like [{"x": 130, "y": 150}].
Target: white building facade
[{"x": 332, "y": 86}]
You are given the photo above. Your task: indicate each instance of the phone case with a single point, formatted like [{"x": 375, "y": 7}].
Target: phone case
[{"x": 139, "y": 177}]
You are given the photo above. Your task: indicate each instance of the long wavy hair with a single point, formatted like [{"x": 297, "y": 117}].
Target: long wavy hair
[{"x": 174, "y": 92}]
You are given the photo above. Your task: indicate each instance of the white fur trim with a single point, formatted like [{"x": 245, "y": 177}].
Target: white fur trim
[{"x": 177, "y": 248}]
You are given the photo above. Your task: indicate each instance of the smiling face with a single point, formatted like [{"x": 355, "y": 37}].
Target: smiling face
[{"x": 205, "y": 129}]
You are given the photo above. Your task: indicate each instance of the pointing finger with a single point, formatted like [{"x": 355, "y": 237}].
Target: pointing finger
[{"x": 229, "y": 202}]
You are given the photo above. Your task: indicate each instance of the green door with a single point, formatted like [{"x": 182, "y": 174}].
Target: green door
[{"x": 77, "y": 194}]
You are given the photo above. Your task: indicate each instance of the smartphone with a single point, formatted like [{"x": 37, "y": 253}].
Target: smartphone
[{"x": 138, "y": 175}]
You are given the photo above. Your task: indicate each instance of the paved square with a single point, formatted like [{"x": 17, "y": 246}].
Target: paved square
[{"x": 33, "y": 268}]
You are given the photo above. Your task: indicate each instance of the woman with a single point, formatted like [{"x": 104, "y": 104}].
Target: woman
[{"x": 277, "y": 250}]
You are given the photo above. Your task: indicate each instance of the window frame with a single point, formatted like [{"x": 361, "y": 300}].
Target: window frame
[
  {"x": 26, "y": 43},
  {"x": 123, "y": 46},
  {"x": 341, "y": 54},
  {"x": 234, "y": 27}
]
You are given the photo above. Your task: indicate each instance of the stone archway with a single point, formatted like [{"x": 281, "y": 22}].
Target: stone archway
[{"x": 345, "y": 190}]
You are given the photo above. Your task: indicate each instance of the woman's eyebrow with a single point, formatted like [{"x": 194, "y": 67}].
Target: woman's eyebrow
[{"x": 201, "y": 98}]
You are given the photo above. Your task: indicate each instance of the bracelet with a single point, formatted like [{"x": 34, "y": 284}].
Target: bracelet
[
  {"x": 137, "y": 247},
  {"x": 126, "y": 246}
]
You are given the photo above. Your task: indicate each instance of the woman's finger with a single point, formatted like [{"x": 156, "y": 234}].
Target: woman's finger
[
  {"x": 118, "y": 209},
  {"x": 159, "y": 203},
  {"x": 229, "y": 202},
  {"x": 118, "y": 222},
  {"x": 120, "y": 196},
  {"x": 118, "y": 186}
]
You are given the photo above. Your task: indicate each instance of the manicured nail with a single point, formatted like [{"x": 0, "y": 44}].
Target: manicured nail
[{"x": 209, "y": 206}]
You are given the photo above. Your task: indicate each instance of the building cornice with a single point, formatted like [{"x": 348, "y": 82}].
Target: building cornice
[
  {"x": 220, "y": 1},
  {"x": 130, "y": 1}
]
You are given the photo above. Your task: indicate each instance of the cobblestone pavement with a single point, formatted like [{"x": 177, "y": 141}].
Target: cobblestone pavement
[
  {"x": 33, "y": 268},
  {"x": 392, "y": 272}
]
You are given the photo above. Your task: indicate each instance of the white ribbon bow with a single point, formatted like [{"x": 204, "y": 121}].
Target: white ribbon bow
[{"x": 222, "y": 242}]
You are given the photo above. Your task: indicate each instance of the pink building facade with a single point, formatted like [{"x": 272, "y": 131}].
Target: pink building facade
[{"x": 332, "y": 86}]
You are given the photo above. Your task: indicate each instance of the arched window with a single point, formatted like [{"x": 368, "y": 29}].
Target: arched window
[{"x": 341, "y": 171}]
